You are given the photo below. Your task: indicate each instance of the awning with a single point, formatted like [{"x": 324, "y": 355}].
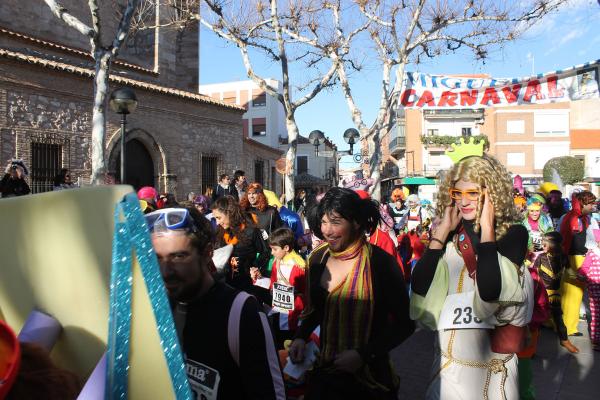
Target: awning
[{"x": 418, "y": 180}]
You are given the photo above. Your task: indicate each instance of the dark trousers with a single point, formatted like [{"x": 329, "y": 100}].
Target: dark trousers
[{"x": 557, "y": 317}]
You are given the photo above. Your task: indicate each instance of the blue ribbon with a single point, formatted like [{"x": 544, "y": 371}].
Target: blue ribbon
[{"x": 132, "y": 233}]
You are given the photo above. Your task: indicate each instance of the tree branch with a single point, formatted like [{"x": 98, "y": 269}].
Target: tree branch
[
  {"x": 63, "y": 14},
  {"x": 123, "y": 27}
]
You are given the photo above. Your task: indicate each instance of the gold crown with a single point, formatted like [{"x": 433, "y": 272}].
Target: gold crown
[{"x": 465, "y": 149}]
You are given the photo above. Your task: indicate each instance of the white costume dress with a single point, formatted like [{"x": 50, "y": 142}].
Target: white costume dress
[{"x": 465, "y": 368}]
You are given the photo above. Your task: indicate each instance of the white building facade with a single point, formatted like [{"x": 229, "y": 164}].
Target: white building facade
[{"x": 264, "y": 120}]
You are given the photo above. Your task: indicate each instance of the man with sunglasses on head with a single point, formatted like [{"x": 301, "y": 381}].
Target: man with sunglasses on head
[{"x": 227, "y": 343}]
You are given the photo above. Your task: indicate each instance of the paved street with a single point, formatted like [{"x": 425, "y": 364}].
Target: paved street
[{"x": 558, "y": 375}]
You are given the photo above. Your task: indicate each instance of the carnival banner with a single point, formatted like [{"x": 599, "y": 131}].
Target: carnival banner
[{"x": 460, "y": 91}]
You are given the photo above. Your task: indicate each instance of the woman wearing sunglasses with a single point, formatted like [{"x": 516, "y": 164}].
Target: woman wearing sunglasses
[
  {"x": 237, "y": 228},
  {"x": 470, "y": 284}
]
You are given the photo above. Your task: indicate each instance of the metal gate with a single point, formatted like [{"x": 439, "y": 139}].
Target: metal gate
[
  {"x": 259, "y": 172},
  {"x": 208, "y": 171},
  {"x": 46, "y": 163}
]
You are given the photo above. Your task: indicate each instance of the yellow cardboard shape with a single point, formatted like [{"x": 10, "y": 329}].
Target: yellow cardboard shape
[{"x": 56, "y": 257}]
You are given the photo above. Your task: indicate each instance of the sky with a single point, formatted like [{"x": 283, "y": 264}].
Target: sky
[{"x": 568, "y": 37}]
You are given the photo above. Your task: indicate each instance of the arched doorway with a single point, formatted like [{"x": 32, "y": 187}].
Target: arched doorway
[{"x": 139, "y": 168}]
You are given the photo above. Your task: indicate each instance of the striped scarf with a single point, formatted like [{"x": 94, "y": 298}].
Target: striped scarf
[{"x": 349, "y": 307}]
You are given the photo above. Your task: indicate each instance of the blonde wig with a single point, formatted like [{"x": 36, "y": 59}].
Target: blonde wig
[{"x": 489, "y": 173}]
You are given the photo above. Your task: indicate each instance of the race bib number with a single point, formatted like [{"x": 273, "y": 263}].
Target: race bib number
[
  {"x": 283, "y": 297},
  {"x": 536, "y": 239},
  {"x": 264, "y": 234},
  {"x": 204, "y": 380},
  {"x": 458, "y": 313}
]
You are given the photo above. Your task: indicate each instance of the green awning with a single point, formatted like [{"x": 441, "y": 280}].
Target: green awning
[{"x": 418, "y": 180}]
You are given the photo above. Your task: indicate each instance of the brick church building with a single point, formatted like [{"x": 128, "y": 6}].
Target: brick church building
[{"x": 177, "y": 140}]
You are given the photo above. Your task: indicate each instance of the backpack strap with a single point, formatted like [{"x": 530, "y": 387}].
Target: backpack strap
[{"x": 233, "y": 325}]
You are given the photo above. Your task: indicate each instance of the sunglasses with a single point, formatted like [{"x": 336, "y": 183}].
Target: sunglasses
[
  {"x": 169, "y": 219},
  {"x": 470, "y": 194}
]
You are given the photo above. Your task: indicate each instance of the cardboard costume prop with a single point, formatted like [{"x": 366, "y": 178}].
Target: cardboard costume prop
[{"x": 58, "y": 260}]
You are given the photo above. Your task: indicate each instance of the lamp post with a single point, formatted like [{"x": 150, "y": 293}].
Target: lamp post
[
  {"x": 351, "y": 136},
  {"x": 316, "y": 138},
  {"x": 123, "y": 101}
]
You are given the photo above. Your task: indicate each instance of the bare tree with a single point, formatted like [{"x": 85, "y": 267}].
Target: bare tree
[
  {"x": 261, "y": 29},
  {"x": 103, "y": 56},
  {"x": 407, "y": 32}
]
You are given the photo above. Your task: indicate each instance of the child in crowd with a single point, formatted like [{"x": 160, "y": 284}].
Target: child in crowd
[
  {"x": 288, "y": 282},
  {"x": 541, "y": 312},
  {"x": 551, "y": 264},
  {"x": 590, "y": 273}
]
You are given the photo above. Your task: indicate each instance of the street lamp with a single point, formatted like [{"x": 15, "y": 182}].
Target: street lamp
[
  {"x": 123, "y": 101},
  {"x": 316, "y": 138},
  {"x": 351, "y": 136}
]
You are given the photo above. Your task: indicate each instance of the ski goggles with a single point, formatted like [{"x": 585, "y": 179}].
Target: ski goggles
[
  {"x": 471, "y": 194},
  {"x": 170, "y": 219}
]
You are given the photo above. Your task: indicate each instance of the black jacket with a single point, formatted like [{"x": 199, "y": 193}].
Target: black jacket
[
  {"x": 269, "y": 220},
  {"x": 219, "y": 192},
  {"x": 250, "y": 251},
  {"x": 391, "y": 322},
  {"x": 13, "y": 187},
  {"x": 207, "y": 352}
]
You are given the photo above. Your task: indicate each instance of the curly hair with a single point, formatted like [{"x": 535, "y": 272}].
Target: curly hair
[
  {"x": 488, "y": 173},
  {"x": 261, "y": 202},
  {"x": 238, "y": 219}
]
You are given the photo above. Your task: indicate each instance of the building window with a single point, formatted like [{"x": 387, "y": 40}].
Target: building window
[
  {"x": 551, "y": 124},
  {"x": 259, "y": 130},
  {"x": 515, "y": 159},
  {"x": 273, "y": 179},
  {"x": 259, "y": 100},
  {"x": 259, "y": 172},
  {"x": 208, "y": 171},
  {"x": 229, "y": 100},
  {"x": 301, "y": 164},
  {"x": 466, "y": 131},
  {"x": 515, "y": 127},
  {"x": 46, "y": 163},
  {"x": 433, "y": 132}
]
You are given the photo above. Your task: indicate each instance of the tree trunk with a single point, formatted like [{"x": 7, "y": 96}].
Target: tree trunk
[
  {"x": 290, "y": 157},
  {"x": 103, "y": 59},
  {"x": 374, "y": 164}
]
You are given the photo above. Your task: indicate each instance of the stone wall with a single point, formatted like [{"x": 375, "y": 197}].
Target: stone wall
[
  {"x": 43, "y": 103},
  {"x": 169, "y": 56}
]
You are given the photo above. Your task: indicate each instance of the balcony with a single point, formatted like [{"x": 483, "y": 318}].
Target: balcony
[
  {"x": 470, "y": 113},
  {"x": 397, "y": 145}
]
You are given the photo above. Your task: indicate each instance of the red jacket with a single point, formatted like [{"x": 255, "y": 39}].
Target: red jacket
[
  {"x": 383, "y": 240},
  {"x": 297, "y": 279}
]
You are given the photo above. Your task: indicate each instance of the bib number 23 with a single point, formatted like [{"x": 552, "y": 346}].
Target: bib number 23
[{"x": 464, "y": 315}]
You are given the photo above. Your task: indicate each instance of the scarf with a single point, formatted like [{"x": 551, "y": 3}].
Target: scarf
[
  {"x": 349, "y": 307},
  {"x": 230, "y": 238}
]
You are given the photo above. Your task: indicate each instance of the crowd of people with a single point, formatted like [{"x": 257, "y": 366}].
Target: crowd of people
[{"x": 305, "y": 299}]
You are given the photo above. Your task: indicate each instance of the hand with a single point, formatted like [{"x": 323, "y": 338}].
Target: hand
[
  {"x": 255, "y": 273},
  {"x": 487, "y": 218},
  {"x": 348, "y": 361},
  {"x": 296, "y": 351},
  {"x": 450, "y": 220}
]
